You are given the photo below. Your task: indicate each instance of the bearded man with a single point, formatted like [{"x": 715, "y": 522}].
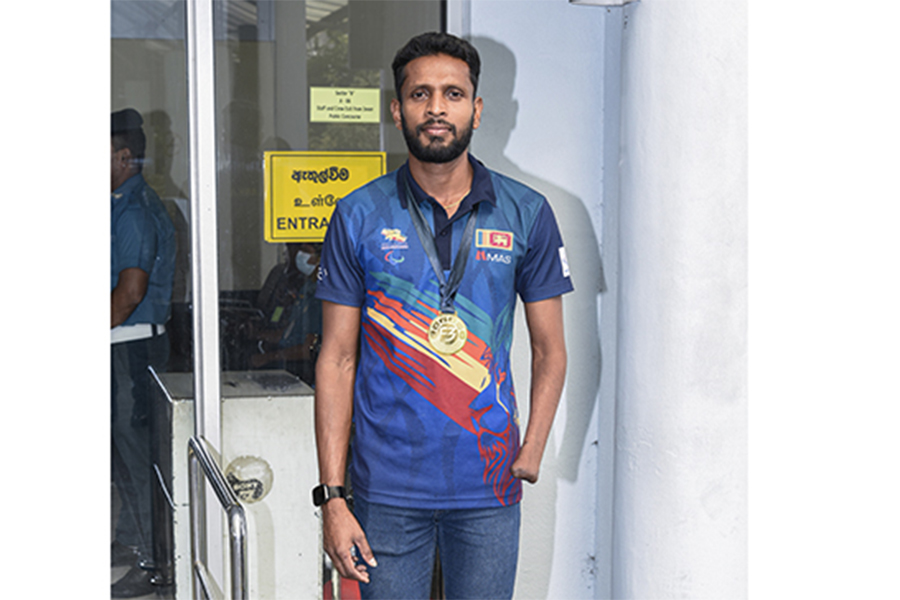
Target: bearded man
[{"x": 419, "y": 276}]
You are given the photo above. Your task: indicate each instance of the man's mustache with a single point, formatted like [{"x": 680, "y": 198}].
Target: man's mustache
[{"x": 431, "y": 122}]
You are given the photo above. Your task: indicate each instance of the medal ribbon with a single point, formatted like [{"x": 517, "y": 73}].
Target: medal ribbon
[{"x": 448, "y": 286}]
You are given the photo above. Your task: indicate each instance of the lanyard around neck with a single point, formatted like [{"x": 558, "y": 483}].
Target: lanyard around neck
[{"x": 448, "y": 286}]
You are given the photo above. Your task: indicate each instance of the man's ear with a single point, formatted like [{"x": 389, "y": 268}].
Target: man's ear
[
  {"x": 395, "y": 113},
  {"x": 125, "y": 156},
  {"x": 476, "y": 119}
]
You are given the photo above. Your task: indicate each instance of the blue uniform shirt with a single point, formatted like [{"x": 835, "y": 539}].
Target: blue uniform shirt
[
  {"x": 143, "y": 236},
  {"x": 431, "y": 430},
  {"x": 305, "y": 316}
]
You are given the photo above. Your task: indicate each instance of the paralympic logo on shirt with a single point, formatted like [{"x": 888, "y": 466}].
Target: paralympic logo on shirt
[
  {"x": 393, "y": 235},
  {"x": 393, "y": 240}
]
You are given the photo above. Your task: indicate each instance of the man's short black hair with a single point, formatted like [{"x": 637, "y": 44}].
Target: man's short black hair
[
  {"x": 126, "y": 132},
  {"x": 133, "y": 139},
  {"x": 430, "y": 44}
]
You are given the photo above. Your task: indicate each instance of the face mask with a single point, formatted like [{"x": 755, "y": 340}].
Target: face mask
[{"x": 302, "y": 263}]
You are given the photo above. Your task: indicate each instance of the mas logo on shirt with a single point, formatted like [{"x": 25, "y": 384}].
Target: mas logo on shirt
[{"x": 488, "y": 240}]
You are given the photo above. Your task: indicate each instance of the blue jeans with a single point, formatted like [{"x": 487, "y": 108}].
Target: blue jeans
[{"x": 479, "y": 549}]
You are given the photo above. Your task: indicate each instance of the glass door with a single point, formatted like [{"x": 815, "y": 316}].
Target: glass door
[
  {"x": 275, "y": 65},
  {"x": 286, "y": 75},
  {"x": 151, "y": 239}
]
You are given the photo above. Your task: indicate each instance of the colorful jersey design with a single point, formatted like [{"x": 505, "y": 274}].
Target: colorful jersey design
[{"x": 437, "y": 431}]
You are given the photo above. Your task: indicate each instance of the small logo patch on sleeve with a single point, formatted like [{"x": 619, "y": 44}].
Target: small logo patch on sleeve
[{"x": 563, "y": 261}]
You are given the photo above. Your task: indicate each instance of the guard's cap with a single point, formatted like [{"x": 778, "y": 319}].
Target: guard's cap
[{"x": 126, "y": 119}]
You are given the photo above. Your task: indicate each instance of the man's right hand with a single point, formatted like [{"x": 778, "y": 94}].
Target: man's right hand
[{"x": 342, "y": 536}]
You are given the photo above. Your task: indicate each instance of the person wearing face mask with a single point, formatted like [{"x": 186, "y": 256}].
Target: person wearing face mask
[{"x": 289, "y": 338}]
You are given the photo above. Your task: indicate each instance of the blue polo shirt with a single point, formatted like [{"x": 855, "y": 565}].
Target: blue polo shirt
[
  {"x": 436, "y": 431},
  {"x": 143, "y": 236}
]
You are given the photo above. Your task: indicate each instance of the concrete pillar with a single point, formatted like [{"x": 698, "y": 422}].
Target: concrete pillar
[{"x": 680, "y": 526}]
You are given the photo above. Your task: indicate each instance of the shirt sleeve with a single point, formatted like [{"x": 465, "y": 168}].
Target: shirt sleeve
[
  {"x": 135, "y": 241},
  {"x": 544, "y": 272},
  {"x": 341, "y": 277}
]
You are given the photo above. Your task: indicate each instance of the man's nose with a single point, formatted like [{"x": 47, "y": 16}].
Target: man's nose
[{"x": 436, "y": 105}]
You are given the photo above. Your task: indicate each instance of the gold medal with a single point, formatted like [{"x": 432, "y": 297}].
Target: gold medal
[{"x": 447, "y": 333}]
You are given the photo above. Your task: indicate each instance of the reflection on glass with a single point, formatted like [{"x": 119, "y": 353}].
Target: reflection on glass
[
  {"x": 267, "y": 56},
  {"x": 328, "y": 65},
  {"x": 280, "y": 327},
  {"x": 269, "y": 316},
  {"x": 150, "y": 235}
]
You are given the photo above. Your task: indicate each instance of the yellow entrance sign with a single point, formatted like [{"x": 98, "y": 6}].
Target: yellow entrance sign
[
  {"x": 344, "y": 105},
  {"x": 302, "y": 189}
]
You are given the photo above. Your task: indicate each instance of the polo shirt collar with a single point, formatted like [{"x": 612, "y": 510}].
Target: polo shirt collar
[
  {"x": 128, "y": 186},
  {"x": 482, "y": 187}
]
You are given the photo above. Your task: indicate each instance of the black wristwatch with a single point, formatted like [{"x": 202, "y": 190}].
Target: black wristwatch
[{"x": 323, "y": 493}]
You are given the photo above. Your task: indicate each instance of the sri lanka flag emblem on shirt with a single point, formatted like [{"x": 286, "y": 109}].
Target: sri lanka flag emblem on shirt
[{"x": 494, "y": 239}]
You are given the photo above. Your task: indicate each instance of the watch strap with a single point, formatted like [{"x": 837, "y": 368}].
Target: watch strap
[{"x": 323, "y": 493}]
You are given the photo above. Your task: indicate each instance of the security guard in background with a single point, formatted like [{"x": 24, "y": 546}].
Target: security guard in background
[{"x": 143, "y": 268}]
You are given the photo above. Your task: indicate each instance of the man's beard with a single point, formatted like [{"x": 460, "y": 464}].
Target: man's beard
[{"x": 437, "y": 154}]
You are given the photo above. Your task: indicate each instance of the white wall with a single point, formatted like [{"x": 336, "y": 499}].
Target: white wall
[
  {"x": 542, "y": 84},
  {"x": 643, "y": 489},
  {"x": 680, "y": 512}
]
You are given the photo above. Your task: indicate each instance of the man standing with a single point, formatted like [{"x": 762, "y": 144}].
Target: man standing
[
  {"x": 143, "y": 268},
  {"x": 419, "y": 277}
]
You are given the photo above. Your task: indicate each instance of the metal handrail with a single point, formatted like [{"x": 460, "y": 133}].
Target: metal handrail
[{"x": 198, "y": 454}]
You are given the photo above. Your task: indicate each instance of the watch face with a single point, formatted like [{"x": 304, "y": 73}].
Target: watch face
[
  {"x": 318, "y": 495},
  {"x": 322, "y": 493}
]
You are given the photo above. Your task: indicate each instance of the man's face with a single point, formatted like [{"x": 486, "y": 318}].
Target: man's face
[
  {"x": 120, "y": 165},
  {"x": 438, "y": 112}
]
